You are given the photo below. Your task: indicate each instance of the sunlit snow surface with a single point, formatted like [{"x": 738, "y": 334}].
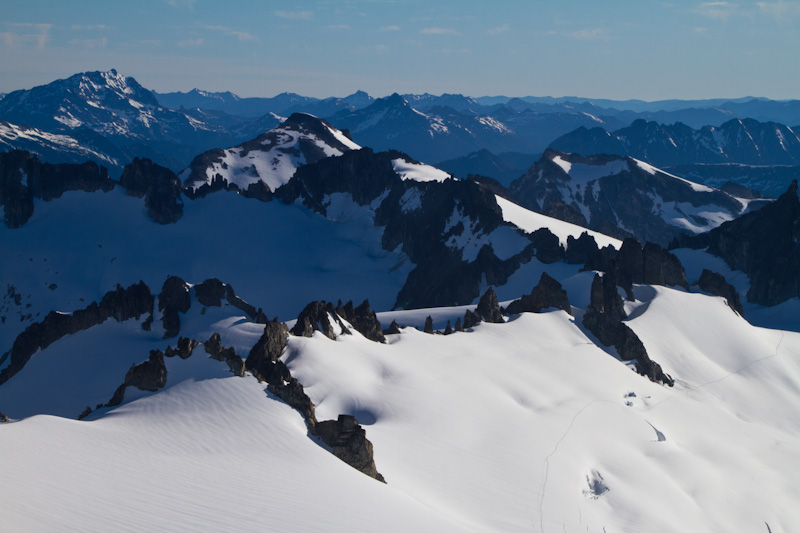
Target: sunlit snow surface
[
  {"x": 274, "y": 162},
  {"x": 418, "y": 171},
  {"x": 530, "y": 221},
  {"x": 521, "y": 426}
]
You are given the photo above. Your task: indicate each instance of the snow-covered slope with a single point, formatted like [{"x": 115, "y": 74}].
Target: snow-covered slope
[
  {"x": 622, "y": 196},
  {"x": 59, "y": 148},
  {"x": 272, "y": 157},
  {"x": 523, "y": 426},
  {"x": 738, "y": 140}
]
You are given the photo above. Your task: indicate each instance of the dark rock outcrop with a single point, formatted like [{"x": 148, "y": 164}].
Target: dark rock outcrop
[
  {"x": 428, "y": 327},
  {"x": 184, "y": 348},
  {"x": 264, "y": 356},
  {"x": 448, "y": 329},
  {"x": 625, "y": 196},
  {"x": 547, "y": 293},
  {"x": 349, "y": 442},
  {"x": 581, "y": 250},
  {"x": 23, "y": 177},
  {"x": 210, "y": 293},
  {"x": 716, "y": 284},
  {"x": 318, "y": 316},
  {"x": 150, "y": 375},
  {"x": 214, "y": 348},
  {"x": 3, "y": 418},
  {"x": 393, "y": 329},
  {"x": 765, "y": 244},
  {"x": 458, "y": 326},
  {"x": 363, "y": 319},
  {"x": 174, "y": 299},
  {"x": 160, "y": 187},
  {"x": 489, "y": 308},
  {"x": 442, "y": 276},
  {"x": 120, "y": 304},
  {"x": 603, "y": 318},
  {"x": 345, "y": 437},
  {"x": 633, "y": 263},
  {"x": 235, "y": 301},
  {"x": 471, "y": 319}
]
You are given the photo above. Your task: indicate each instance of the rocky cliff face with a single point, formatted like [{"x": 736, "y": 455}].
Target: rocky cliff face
[
  {"x": 23, "y": 177},
  {"x": 632, "y": 263},
  {"x": 621, "y": 197},
  {"x": 120, "y": 304},
  {"x": 159, "y": 186},
  {"x": 716, "y": 284},
  {"x": 547, "y": 293},
  {"x": 604, "y": 318},
  {"x": 764, "y": 244}
]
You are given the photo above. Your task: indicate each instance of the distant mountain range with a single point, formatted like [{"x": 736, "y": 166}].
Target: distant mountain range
[
  {"x": 747, "y": 141},
  {"x": 504, "y": 371},
  {"x": 622, "y": 197},
  {"x": 111, "y": 119}
]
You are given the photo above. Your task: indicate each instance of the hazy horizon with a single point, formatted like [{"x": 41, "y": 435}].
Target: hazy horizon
[{"x": 611, "y": 50}]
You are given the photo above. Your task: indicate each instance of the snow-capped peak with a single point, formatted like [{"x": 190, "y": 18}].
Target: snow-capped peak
[{"x": 271, "y": 158}]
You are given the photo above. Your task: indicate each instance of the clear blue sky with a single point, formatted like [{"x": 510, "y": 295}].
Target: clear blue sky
[{"x": 606, "y": 49}]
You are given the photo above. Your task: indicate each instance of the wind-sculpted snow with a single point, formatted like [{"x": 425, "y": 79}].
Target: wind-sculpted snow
[{"x": 526, "y": 424}]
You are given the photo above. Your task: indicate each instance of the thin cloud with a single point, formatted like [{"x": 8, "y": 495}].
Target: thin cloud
[
  {"x": 338, "y": 26},
  {"x": 243, "y": 36},
  {"x": 391, "y": 28},
  {"x": 188, "y": 4},
  {"x": 38, "y": 37},
  {"x": 589, "y": 34},
  {"x": 438, "y": 31},
  {"x": 295, "y": 15},
  {"x": 91, "y": 27},
  {"x": 498, "y": 30},
  {"x": 89, "y": 43},
  {"x": 779, "y": 10},
  {"x": 190, "y": 43},
  {"x": 716, "y": 10}
]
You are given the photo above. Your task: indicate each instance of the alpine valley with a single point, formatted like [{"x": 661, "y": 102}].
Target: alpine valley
[{"x": 410, "y": 313}]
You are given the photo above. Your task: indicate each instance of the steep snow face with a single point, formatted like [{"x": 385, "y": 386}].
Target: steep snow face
[
  {"x": 530, "y": 221},
  {"x": 271, "y": 158},
  {"x": 55, "y": 148},
  {"x": 418, "y": 171}
]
